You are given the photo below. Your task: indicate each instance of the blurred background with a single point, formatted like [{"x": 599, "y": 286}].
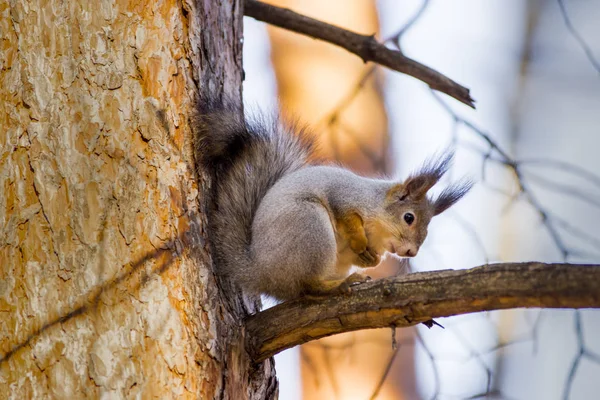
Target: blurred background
[{"x": 533, "y": 68}]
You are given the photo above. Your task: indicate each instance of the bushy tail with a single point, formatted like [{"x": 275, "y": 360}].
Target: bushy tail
[{"x": 245, "y": 158}]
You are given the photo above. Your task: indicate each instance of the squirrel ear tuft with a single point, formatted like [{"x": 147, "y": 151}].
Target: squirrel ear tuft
[
  {"x": 417, "y": 185},
  {"x": 451, "y": 195}
]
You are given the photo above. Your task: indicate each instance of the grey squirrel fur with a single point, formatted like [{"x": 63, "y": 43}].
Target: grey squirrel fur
[{"x": 284, "y": 227}]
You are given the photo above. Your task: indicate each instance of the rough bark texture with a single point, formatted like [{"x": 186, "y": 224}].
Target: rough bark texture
[
  {"x": 419, "y": 297},
  {"x": 105, "y": 282}
]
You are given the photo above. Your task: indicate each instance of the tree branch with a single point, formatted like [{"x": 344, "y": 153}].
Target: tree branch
[
  {"x": 407, "y": 300},
  {"x": 364, "y": 46}
]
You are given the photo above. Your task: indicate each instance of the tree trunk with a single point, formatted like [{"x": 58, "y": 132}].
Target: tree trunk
[{"x": 106, "y": 287}]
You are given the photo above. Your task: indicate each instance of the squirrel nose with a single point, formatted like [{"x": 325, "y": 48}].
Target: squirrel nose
[{"x": 411, "y": 252}]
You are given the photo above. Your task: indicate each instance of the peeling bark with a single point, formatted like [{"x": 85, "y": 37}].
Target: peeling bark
[{"x": 105, "y": 280}]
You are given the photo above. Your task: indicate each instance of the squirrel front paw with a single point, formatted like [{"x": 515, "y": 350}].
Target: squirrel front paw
[
  {"x": 369, "y": 258},
  {"x": 353, "y": 280}
]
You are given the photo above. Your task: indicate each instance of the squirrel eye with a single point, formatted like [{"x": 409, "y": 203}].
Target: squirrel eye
[{"x": 409, "y": 218}]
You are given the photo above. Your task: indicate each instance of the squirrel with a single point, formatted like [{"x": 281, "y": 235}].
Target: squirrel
[{"x": 285, "y": 226}]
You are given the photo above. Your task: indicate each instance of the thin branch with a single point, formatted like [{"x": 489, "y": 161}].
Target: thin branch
[
  {"x": 470, "y": 230},
  {"x": 436, "y": 372},
  {"x": 577, "y": 359},
  {"x": 333, "y": 115},
  {"x": 412, "y": 299},
  {"x": 549, "y": 219},
  {"x": 586, "y": 48},
  {"x": 329, "y": 369},
  {"x": 497, "y": 394},
  {"x": 568, "y": 190},
  {"x": 377, "y": 160},
  {"x": 495, "y": 348},
  {"x": 564, "y": 166},
  {"x": 593, "y": 357},
  {"x": 364, "y": 46},
  {"x": 334, "y": 118},
  {"x": 478, "y": 358},
  {"x": 386, "y": 372},
  {"x": 515, "y": 167},
  {"x": 576, "y": 232},
  {"x": 408, "y": 25}
]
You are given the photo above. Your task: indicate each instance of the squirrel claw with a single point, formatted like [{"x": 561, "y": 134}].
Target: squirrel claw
[
  {"x": 357, "y": 279},
  {"x": 353, "y": 280},
  {"x": 344, "y": 288},
  {"x": 369, "y": 257},
  {"x": 366, "y": 257},
  {"x": 367, "y": 279}
]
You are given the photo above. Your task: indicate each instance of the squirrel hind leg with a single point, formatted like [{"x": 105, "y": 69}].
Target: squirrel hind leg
[{"x": 292, "y": 247}]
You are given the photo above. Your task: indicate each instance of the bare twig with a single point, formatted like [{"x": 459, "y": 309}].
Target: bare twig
[
  {"x": 582, "y": 353},
  {"x": 334, "y": 118},
  {"x": 478, "y": 357},
  {"x": 386, "y": 372},
  {"x": 548, "y": 217},
  {"x": 364, "y": 46},
  {"x": 415, "y": 298},
  {"x": 515, "y": 167},
  {"x": 577, "y": 359},
  {"x": 577, "y": 232},
  {"x": 436, "y": 372},
  {"x": 333, "y": 115},
  {"x": 497, "y": 394},
  {"x": 566, "y": 189},
  {"x": 469, "y": 229},
  {"x": 497, "y": 347},
  {"x": 376, "y": 160},
  {"x": 586, "y": 48},
  {"x": 564, "y": 166},
  {"x": 409, "y": 24},
  {"x": 329, "y": 369}
]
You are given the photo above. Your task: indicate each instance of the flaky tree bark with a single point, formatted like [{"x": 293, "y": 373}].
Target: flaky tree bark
[{"x": 105, "y": 282}]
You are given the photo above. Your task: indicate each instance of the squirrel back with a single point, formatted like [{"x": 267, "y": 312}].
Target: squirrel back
[{"x": 245, "y": 159}]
